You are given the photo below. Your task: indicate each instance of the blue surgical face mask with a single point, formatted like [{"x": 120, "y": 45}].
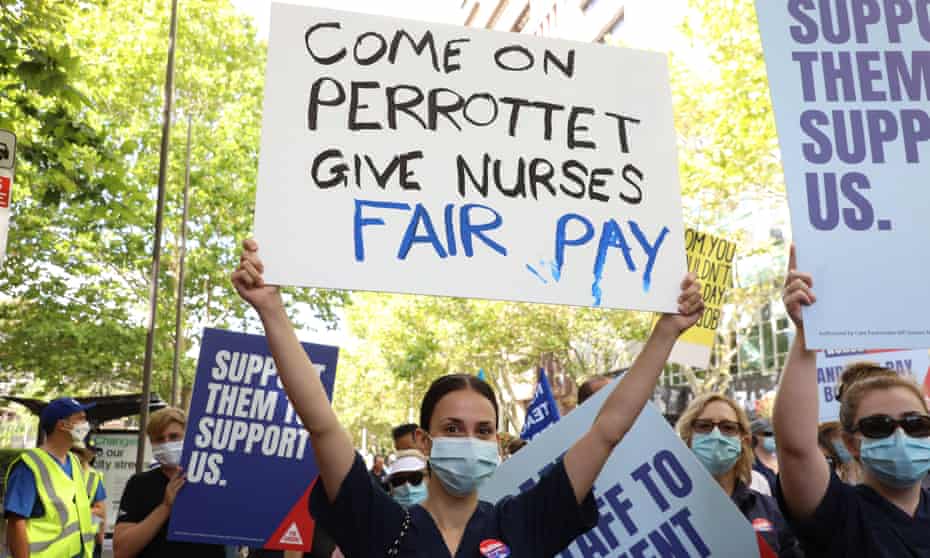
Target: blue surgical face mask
[
  {"x": 408, "y": 494},
  {"x": 718, "y": 453},
  {"x": 840, "y": 448},
  {"x": 462, "y": 464},
  {"x": 898, "y": 460},
  {"x": 768, "y": 443}
]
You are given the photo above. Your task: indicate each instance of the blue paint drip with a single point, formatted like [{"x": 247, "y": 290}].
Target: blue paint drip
[
  {"x": 536, "y": 273},
  {"x": 555, "y": 270},
  {"x": 652, "y": 250},
  {"x": 561, "y": 241},
  {"x": 611, "y": 237}
]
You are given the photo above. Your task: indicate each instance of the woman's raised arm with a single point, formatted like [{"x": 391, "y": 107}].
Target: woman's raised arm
[
  {"x": 585, "y": 459},
  {"x": 803, "y": 472},
  {"x": 332, "y": 445}
]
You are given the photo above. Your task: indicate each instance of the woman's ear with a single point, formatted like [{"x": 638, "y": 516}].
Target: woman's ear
[{"x": 423, "y": 441}]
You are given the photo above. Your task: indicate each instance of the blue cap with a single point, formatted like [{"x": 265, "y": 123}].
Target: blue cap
[{"x": 60, "y": 408}]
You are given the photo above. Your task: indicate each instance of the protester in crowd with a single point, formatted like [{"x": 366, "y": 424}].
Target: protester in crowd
[
  {"x": 830, "y": 440},
  {"x": 379, "y": 472},
  {"x": 46, "y": 483},
  {"x": 717, "y": 430},
  {"x": 405, "y": 437},
  {"x": 142, "y": 524},
  {"x": 886, "y": 428},
  {"x": 765, "y": 462},
  {"x": 97, "y": 494},
  {"x": 408, "y": 476},
  {"x": 458, "y": 418},
  {"x": 591, "y": 386}
]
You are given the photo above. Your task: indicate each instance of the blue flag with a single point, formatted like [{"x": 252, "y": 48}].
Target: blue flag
[
  {"x": 542, "y": 411},
  {"x": 481, "y": 375}
]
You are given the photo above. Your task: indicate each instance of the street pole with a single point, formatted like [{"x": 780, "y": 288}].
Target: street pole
[
  {"x": 156, "y": 248},
  {"x": 181, "y": 255}
]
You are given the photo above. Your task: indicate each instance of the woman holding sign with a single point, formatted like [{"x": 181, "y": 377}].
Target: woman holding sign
[
  {"x": 886, "y": 428},
  {"x": 458, "y": 417}
]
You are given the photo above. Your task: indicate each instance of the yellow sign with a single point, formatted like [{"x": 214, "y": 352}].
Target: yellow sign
[{"x": 711, "y": 259}]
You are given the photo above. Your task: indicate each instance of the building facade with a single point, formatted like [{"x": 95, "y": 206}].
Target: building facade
[{"x": 588, "y": 21}]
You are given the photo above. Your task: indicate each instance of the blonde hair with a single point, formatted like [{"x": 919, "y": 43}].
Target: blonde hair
[
  {"x": 856, "y": 392},
  {"x": 160, "y": 419},
  {"x": 743, "y": 465}
]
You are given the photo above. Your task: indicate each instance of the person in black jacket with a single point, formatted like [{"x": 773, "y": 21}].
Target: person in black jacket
[{"x": 717, "y": 431}]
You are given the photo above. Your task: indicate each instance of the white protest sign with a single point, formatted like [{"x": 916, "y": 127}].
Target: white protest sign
[
  {"x": 850, "y": 86},
  {"x": 831, "y": 364},
  {"x": 117, "y": 462},
  {"x": 425, "y": 158},
  {"x": 653, "y": 496}
]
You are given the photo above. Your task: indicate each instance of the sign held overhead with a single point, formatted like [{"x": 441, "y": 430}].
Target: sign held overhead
[{"x": 440, "y": 160}]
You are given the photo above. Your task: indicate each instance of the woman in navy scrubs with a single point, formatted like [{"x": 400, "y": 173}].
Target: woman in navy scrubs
[
  {"x": 459, "y": 417},
  {"x": 718, "y": 432},
  {"x": 886, "y": 428}
]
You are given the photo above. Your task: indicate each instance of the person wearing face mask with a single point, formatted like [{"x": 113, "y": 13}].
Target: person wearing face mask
[
  {"x": 830, "y": 439},
  {"x": 407, "y": 480},
  {"x": 47, "y": 510},
  {"x": 96, "y": 492},
  {"x": 765, "y": 462},
  {"x": 458, "y": 420},
  {"x": 717, "y": 431},
  {"x": 885, "y": 427},
  {"x": 142, "y": 523}
]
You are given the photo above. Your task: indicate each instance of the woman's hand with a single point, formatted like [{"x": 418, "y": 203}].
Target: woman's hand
[
  {"x": 798, "y": 291},
  {"x": 249, "y": 281},
  {"x": 690, "y": 308}
]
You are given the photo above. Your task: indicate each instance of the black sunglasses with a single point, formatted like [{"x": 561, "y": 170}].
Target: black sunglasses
[
  {"x": 882, "y": 426},
  {"x": 413, "y": 477}
]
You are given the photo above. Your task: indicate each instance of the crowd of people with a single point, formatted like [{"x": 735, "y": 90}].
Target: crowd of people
[{"x": 841, "y": 489}]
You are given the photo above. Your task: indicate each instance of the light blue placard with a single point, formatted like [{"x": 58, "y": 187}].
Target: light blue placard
[
  {"x": 689, "y": 510},
  {"x": 859, "y": 204}
]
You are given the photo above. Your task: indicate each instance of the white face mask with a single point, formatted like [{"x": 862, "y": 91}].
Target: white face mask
[
  {"x": 80, "y": 431},
  {"x": 169, "y": 453}
]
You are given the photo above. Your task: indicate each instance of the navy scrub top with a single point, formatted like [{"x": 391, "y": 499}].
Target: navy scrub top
[
  {"x": 539, "y": 523},
  {"x": 767, "y": 521},
  {"x": 854, "y": 521}
]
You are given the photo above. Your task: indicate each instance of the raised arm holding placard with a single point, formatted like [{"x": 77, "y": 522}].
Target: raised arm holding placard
[{"x": 459, "y": 419}]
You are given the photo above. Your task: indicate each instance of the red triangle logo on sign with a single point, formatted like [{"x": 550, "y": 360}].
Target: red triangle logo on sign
[
  {"x": 292, "y": 535},
  {"x": 295, "y": 532}
]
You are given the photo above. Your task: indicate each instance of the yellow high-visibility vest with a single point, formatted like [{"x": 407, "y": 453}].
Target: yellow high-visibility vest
[
  {"x": 94, "y": 478},
  {"x": 59, "y": 532}
]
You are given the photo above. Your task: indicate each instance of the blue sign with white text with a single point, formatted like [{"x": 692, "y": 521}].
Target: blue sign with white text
[
  {"x": 247, "y": 457},
  {"x": 542, "y": 411}
]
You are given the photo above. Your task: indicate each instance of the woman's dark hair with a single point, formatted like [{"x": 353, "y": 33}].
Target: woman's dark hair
[
  {"x": 403, "y": 430},
  {"x": 444, "y": 385},
  {"x": 587, "y": 389}
]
